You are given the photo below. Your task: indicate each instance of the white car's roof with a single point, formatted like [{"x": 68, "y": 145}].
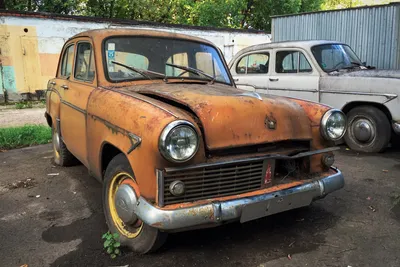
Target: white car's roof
[{"x": 287, "y": 44}]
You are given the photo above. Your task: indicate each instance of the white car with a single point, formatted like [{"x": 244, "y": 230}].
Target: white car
[{"x": 331, "y": 73}]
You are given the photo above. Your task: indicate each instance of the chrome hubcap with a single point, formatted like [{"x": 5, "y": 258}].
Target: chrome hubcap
[
  {"x": 125, "y": 199},
  {"x": 56, "y": 141},
  {"x": 363, "y": 130}
]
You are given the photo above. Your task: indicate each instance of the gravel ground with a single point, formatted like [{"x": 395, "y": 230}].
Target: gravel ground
[
  {"x": 18, "y": 117},
  {"x": 57, "y": 220}
]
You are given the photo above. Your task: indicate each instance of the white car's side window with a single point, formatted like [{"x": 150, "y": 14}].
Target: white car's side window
[
  {"x": 253, "y": 64},
  {"x": 290, "y": 61}
]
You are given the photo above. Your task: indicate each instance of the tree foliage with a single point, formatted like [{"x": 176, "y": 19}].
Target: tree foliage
[{"x": 218, "y": 13}]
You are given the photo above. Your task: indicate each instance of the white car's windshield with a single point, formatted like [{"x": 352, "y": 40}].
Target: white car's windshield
[
  {"x": 138, "y": 58},
  {"x": 332, "y": 57}
]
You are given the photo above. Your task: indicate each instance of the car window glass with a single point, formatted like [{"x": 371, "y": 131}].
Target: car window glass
[
  {"x": 127, "y": 58},
  {"x": 67, "y": 62},
  {"x": 84, "y": 66},
  {"x": 177, "y": 59},
  {"x": 304, "y": 65},
  {"x": 291, "y": 62},
  {"x": 241, "y": 66},
  {"x": 152, "y": 55},
  {"x": 258, "y": 63},
  {"x": 205, "y": 62}
]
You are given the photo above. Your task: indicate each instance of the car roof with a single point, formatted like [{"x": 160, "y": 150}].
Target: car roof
[
  {"x": 286, "y": 44},
  {"x": 104, "y": 33}
]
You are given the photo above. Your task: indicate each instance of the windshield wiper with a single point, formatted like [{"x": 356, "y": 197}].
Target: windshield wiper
[
  {"x": 194, "y": 71},
  {"x": 140, "y": 71}
]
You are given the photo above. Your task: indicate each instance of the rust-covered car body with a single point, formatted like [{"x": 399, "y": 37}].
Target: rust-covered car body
[{"x": 240, "y": 136}]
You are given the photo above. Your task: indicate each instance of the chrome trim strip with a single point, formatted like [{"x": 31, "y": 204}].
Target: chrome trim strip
[
  {"x": 73, "y": 106},
  {"x": 388, "y": 96},
  {"x": 135, "y": 139},
  {"x": 270, "y": 156},
  {"x": 294, "y": 90},
  {"x": 251, "y": 94},
  {"x": 160, "y": 188},
  {"x": 222, "y": 211}
]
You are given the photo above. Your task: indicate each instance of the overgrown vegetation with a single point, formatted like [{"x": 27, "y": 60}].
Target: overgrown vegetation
[
  {"x": 111, "y": 244},
  {"x": 23, "y": 105},
  {"x": 28, "y": 135},
  {"x": 221, "y": 13}
]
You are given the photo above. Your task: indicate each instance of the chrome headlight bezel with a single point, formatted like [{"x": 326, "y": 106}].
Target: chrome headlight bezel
[
  {"x": 324, "y": 121},
  {"x": 162, "y": 144}
]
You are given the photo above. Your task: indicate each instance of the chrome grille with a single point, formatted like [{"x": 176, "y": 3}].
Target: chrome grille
[{"x": 214, "y": 181}]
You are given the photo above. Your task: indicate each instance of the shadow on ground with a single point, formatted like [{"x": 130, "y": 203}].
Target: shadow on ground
[{"x": 239, "y": 244}]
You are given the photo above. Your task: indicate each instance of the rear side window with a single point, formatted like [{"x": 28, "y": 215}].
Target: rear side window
[
  {"x": 67, "y": 62},
  {"x": 84, "y": 63},
  {"x": 291, "y": 62},
  {"x": 253, "y": 64}
]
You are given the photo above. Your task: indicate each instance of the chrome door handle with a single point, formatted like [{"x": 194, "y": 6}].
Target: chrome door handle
[
  {"x": 64, "y": 86},
  {"x": 273, "y": 79},
  {"x": 53, "y": 83},
  {"x": 235, "y": 80}
]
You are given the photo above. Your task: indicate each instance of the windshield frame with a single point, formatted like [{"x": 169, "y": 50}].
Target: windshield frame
[
  {"x": 104, "y": 60},
  {"x": 342, "y": 44}
]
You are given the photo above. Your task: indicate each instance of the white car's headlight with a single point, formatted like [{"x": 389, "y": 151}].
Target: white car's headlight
[
  {"x": 333, "y": 124},
  {"x": 179, "y": 141}
]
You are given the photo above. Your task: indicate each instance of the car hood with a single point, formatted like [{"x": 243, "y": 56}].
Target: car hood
[
  {"x": 231, "y": 117},
  {"x": 372, "y": 73}
]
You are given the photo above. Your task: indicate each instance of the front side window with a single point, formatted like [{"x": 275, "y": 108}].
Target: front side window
[
  {"x": 253, "y": 63},
  {"x": 84, "y": 63},
  {"x": 291, "y": 62},
  {"x": 332, "y": 57},
  {"x": 67, "y": 62},
  {"x": 139, "y": 58}
]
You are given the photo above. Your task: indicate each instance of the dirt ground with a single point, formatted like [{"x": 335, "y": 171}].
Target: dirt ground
[
  {"x": 19, "y": 117},
  {"x": 56, "y": 219}
]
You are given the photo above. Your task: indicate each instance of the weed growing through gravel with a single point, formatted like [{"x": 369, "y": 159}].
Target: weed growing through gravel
[{"x": 28, "y": 135}]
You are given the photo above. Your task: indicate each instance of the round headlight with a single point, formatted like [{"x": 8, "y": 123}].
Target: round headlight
[
  {"x": 179, "y": 141},
  {"x": 333, "y": 124}
]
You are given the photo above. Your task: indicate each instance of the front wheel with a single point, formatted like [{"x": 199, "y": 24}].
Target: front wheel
[
  {"x": 119, "y": 193},
  {"x": 368, "y": 129}
]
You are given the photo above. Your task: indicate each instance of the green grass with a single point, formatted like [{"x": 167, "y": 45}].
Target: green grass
[{"x": 28, "y": 135}]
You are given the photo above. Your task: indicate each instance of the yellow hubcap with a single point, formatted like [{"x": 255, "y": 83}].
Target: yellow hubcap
[{"x": 130, "y": 231}]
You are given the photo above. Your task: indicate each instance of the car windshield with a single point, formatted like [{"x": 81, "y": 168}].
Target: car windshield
[
  {"x": 332, "y": 57},
  {"x": 139, "y": 58}
]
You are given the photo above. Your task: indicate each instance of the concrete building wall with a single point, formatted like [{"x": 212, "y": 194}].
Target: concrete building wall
[{"x": 30, "y": 45}]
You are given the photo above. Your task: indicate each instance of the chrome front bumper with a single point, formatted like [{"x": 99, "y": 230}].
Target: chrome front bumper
[{"x": 243, "y": 209}]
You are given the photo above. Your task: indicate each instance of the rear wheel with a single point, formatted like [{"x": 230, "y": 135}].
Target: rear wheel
[
  {"x": 62, "y": 156},
  {"x": 368, "y": 129},
  {"x": 119, "y": 194}
]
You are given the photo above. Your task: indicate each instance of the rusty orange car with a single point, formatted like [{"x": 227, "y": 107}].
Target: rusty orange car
[{"x": 157, "y": 118}]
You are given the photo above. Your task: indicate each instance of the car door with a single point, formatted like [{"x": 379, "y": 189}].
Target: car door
[
  {"x": 76, "y": 91},
  {"x": 293, "y": 75},
  {"x": 250, "y": 71}
]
